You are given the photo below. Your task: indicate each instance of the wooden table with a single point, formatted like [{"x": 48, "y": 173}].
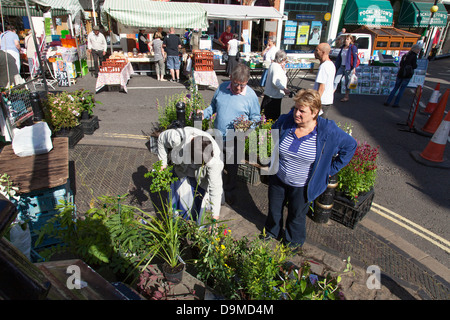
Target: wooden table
[{"x": 37, "y": 172}]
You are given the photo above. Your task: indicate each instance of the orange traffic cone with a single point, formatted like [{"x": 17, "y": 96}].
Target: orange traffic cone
[
  {"x": 432, "y": 104},
  {"x": 436, "y": 117},
  {"x": 433, "y": 154}
]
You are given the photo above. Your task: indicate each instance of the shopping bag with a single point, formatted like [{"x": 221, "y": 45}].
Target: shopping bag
[
  {"x": 353, "y": 81},
  {"x": 32, "y": 140}
]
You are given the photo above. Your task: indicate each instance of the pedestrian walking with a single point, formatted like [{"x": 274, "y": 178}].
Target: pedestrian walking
[
  {"x": 96, "y": 47},
  {"x": 31, "y": 53},
  {"x": 346, "y": 62},
  {"x": 408, "y": 63},
  {"x": 324, "y": 83},
  {"x": 231, "y": 100},
  {"x": 268, "y": 56},
  {"x": 172, "y": 45},
  {"x": 197, "y": 165},
  {"x": 276, "y": 87},
  {"x": 305, "y": 161},
  {"x": 159, "y": 56}
]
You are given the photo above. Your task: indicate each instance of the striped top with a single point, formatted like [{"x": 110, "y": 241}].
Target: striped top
[{"x": 297, "y": 156}]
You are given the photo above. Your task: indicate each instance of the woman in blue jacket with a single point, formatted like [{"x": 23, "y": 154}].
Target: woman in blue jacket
[
  {"x": 303, "y": 164},
  {"x": 346, "y": 63}
]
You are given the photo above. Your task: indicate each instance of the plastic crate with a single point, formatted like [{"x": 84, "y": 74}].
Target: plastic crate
[
  {"x": 349, "y": 215},
  {"x": 90, "y": 125},
  {"x": 249, "y": 174},
  {"x": 38, "y": 207}
]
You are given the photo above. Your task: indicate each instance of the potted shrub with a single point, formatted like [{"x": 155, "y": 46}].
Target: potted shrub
[
  {"x": 62, "y": 112},
  {"x": 259, "y": 143},
  {"x": 87, "y": 103},
  {"x": 166, "y": 229},
  {"x": 355, "y": 186}
]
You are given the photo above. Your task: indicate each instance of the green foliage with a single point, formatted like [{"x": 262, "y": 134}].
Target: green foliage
[
  {"x": 106, "y": 234},
  {"x": 360, "y": 173},
  {"x": 161, "y": 178},
  {"x": 86, "y": 99},
  {"x": 260, "y": 141},
  {"x": 194, "y": 102}
]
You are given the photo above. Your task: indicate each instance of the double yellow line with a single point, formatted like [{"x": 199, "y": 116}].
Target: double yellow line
[
  {"x": 411, "y": 226},
  {"x": 126, "y": 136}
]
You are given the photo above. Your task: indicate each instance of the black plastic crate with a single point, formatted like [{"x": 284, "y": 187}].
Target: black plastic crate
[
  {"x": 249, "y": 174},
  {"x": 349, "y": 215},
  {"x": 90, "y": 125}
]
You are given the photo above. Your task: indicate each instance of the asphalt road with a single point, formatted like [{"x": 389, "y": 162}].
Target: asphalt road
[{"x": 412, "y": 201}]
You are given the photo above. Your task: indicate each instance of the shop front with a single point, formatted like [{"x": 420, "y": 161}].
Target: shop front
[{"x": 309, "y": 23}]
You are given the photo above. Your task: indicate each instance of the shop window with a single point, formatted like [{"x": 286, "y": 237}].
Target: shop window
[
  {"x": 395, "y": 44},
  {"x": 382, "y": 44},
  {"x": 407, "y": 44}
]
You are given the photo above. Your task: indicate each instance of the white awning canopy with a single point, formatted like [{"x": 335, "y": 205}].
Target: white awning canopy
[{"x": 240, "y": 13}]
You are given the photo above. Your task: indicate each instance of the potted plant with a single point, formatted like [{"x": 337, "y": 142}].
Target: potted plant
[
  {"x": 62, "y": 112},
  {"x": 87, "y": 103},
  {"x": 260, "y": 142},
  {"x": 355, "y": 185},
  {"x": 166, "y": 229}
]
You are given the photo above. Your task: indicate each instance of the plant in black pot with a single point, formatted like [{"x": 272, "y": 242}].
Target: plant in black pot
[
  {"x": 355, "y": 189},
  {"x": 87, "y": 103},
  {"x": 166, "y": 228}
]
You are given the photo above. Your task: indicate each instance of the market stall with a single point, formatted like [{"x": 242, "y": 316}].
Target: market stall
[
  {"x": 114, "y": 73},
  {"x": 136, "y": 14}
]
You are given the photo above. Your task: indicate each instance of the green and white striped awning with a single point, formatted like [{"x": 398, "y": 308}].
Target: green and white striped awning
[
  {"x": 71, "y": 6},
  {"x": 153, "y": 14},
  {"x": 37, "y": 8}
]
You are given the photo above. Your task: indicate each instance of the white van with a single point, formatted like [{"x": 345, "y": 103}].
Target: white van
[{"x": 363, "y": 42}]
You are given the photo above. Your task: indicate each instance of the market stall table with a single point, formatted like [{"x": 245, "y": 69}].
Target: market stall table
[
  {"x": 205, "y": 78},
  {"x": 139, "y": 61},
  {"x": 37, "y": 172},
  {"x": 115, "y": 78}
]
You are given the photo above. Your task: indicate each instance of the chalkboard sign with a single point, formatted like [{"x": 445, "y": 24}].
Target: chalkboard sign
[{"x": 63, "y": 79}]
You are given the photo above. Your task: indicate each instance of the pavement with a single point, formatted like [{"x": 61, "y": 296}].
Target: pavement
[{"x": 101, "y": 166}]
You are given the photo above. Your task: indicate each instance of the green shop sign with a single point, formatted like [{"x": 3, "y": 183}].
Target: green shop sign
[
  {"x": 418, "y": 14},
  {"x": 369, "y": 12}
]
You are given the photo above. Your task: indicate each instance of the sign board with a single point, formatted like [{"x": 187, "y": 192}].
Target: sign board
[
  {"x": 63, "y": 79},
  {"x": 420, "y": 73},
  {"x": 290, "y": 30}
]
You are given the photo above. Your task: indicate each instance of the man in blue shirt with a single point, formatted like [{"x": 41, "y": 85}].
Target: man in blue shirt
[{"x": 231, "y": 100}]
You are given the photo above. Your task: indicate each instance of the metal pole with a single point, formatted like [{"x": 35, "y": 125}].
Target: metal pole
[
  {"x": 94, "y": 12},
  {"x": 429, "y": 33},
  {"x": 37, "y": 47}
]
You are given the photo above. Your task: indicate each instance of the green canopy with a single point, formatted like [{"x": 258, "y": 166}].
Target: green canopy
[
  {"x": 369, "y": 12},
  {"x": 151, "y": 14},
  {"x": 417, "y": 14},
  {"x": 37, "y": 8}
]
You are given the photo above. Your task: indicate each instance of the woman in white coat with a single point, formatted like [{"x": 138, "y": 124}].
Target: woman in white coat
[
  {"x": 276, "y": 87},
  {"x": 197, "y": 163}
]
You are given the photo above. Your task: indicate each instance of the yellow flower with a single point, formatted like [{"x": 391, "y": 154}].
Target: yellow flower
[{"x": 222, "y": 247}]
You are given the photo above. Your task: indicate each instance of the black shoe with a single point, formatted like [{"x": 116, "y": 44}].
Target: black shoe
[
  {"x": 172, "y": 80},
  {"x": 395, "y": 106},
  {"x": 386, "y": 104}
]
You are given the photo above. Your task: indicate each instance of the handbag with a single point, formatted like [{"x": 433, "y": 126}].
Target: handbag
[
  {"x": 225, "y": 57},
  {"x": 238, "y": 56}
]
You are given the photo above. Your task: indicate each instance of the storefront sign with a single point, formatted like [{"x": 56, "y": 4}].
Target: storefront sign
[
  {"x": 374, "y": 15},
  {"x": 303, "y": 33},
  {"x": 316, "y": 31},
  {"x": 290, "y": 29},
  {"x": 305, "y": 17}
]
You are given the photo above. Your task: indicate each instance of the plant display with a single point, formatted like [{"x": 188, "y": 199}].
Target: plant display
[
  {"x": 360, "y": 173},
  {"x": 107, "y": 234},
  {"x": 260, "y": 141},
  {"x": 193, "y": 101},
  {"x": 62, "y": 110},
  {"x": 242, "y": 124},
  {"x": 87, "y": 100},
  {"x": 7, "y": 188}
]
